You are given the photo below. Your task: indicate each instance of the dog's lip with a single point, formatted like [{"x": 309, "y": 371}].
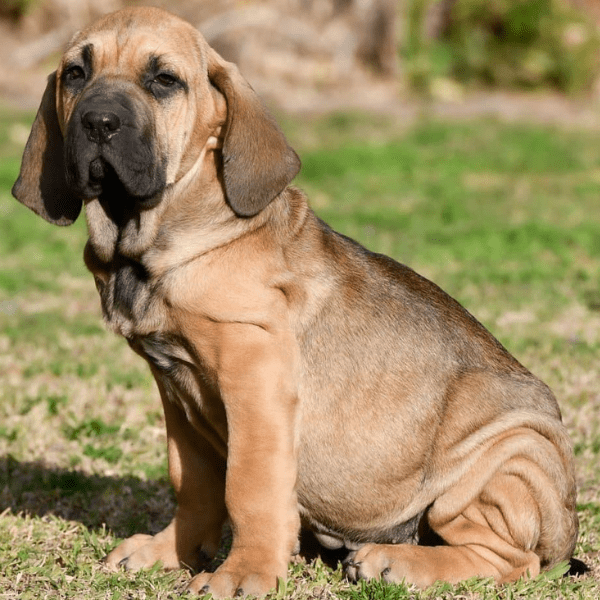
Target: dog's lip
[
  {"x": 97, "y": 175},
  {"x": 100, "y": 176},
  {"x": 103, "y": 178},
  {"x": 97, "y": 170}
]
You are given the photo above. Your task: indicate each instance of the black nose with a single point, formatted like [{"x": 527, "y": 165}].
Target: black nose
[{"x": 100, "y": 126}]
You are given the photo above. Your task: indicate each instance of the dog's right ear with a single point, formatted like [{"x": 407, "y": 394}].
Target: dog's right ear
[{"x": 41, "y": 185}]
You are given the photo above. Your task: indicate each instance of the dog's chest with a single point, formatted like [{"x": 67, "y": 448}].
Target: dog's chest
[
  {"x": 134, "y": 307},
  {"x": 174, "y": 363},
  {"x": 186, "y": 383},
  {"x": 132, "y": 304}
]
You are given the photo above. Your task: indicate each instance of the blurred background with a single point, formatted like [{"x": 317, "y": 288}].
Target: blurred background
[
  {"x": 460, "y": 137},
  {"x": 319, "y": 55}
]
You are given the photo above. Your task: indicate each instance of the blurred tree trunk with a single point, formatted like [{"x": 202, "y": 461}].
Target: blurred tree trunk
[
  {"x": 438, "y": 18},
  {"x": 374, "y": 23}
]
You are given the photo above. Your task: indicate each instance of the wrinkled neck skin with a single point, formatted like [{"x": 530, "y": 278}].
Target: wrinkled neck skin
[{"x": 190, "y": 218}]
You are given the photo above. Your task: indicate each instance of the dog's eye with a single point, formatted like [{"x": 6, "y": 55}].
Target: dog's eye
[
  {"x": 165, "y": 80},
  {"x": 163, "y": 84},
  {"x": 74, "y": 73}
]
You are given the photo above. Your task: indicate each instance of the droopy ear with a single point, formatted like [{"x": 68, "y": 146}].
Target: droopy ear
[
  {"x": 258, "y": 163},
  {"x": 41, "y": 185}
]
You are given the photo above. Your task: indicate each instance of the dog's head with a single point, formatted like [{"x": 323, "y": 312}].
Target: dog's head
[{"x": 136, "y": 100}]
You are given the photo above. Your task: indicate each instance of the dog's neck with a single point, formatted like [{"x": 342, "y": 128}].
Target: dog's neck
[{"x": 190, "y": 219}]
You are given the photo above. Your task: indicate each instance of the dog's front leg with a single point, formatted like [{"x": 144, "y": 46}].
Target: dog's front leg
[
  {"x": 257, "y": 378},
  {"x": 197, "y": 473}
]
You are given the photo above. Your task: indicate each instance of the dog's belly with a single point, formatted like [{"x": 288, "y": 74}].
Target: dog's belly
[
  {"x": 334, "y": 539},
  {"x": 350, "y": 514},
  {"x": 352, "y": 489}
]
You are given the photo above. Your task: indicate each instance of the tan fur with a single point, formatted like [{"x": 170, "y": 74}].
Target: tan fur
[{"x": 303, "y": 378}]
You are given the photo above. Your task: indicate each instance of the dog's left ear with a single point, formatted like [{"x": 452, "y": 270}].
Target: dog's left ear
[
  {"x": 258, "y": 163},
  {"x": 41, "y": 185}
]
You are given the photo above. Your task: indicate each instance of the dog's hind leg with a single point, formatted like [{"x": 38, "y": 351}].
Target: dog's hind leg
[{"x": 506, "y": 517}]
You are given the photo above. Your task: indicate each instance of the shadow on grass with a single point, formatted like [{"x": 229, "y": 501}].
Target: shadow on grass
[{"x": 125, "y": 505}]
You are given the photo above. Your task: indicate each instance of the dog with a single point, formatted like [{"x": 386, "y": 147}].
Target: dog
[{"x": 305, "y": 380}]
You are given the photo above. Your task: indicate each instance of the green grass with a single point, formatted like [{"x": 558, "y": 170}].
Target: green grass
[{"x": 506, "y": 218}]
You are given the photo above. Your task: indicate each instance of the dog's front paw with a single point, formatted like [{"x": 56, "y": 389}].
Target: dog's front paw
[
  {"x": 228, "y": 582},
  {"x": 143, "y": 551}
]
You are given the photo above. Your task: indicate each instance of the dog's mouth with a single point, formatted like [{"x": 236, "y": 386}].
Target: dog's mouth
[
  {"x": 101, "y": 174},
  {"x": 101, "y": 179},
  {"x": 97, "y": 170},
  {"x": 104, "y": 183}
]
